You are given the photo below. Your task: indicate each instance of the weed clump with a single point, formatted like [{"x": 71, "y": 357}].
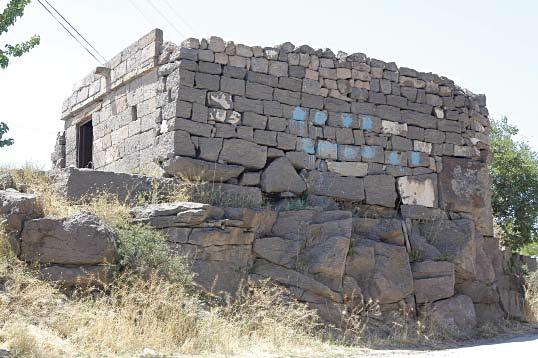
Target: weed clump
[{"x": 145, "y": 251}]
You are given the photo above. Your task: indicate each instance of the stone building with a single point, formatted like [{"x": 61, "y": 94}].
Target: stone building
[{"x": 393, "y": 161}]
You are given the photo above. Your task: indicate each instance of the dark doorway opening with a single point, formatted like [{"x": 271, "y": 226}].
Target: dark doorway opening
[{"x": 85, "y": 145}]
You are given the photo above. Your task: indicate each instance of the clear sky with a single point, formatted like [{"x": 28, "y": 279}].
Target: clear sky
[{"x": 486, "y": 46}]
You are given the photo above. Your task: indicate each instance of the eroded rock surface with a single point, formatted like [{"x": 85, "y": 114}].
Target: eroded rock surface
[
  {"x": 82, "y": 239},
  {"x": 455, "y": 314}
]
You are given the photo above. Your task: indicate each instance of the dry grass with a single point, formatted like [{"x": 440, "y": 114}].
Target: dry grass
[
  {"x": 140, "y": 310},
  {"x": 133, "y": 313}
]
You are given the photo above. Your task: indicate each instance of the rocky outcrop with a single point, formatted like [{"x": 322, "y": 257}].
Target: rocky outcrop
[
  {"x": 15, "y": 208},
  {"x": 77, "y": 250},
  {"x": 455, "y": 239},
  {"x": 280, "y": 176},
  {"x": 217, "y": 242},
  {"x": 433, "y": 280},
  {"x": 464, "y": 186},
  {"x": 333, "y": 260},
  {"x": 81, "y": 239},
  {"x": 455, "y": 315},
  {"x": 381, "y": 270},
  {"x": 84, "y": 184}
]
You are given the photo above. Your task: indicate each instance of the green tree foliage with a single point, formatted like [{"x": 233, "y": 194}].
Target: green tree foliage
[
  {"x": 14, "y": 10},
  {"x": 3, "y": 130},
  {"x": 514, "y": 179}
]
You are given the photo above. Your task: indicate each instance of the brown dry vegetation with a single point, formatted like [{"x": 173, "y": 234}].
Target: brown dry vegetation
[
  {"x": 137, "y": 312},
  {"x": 152, "y": 309}
]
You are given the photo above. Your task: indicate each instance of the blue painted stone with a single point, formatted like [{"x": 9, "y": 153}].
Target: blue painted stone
[
  {"x": 394, "y": 159},
  {"x": 327, "y": 150},
  {"x": 347, "y": 120},
  {"x": 367, "y": 123},
  {"x": 299, "y": 114},
  {"x": 368, "y": 152},
  {"x": 349, "y": 153},
  {"x": 308, "y": 146},
  {"x": 415, "y": 158},
  {"x": 320, "y": 118}
]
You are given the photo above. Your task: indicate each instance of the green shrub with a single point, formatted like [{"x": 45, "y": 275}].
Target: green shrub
[{"x": 145, "y": 251}]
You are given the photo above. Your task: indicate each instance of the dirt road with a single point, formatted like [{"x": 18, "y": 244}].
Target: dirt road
[{"x": 521, "y": 346}]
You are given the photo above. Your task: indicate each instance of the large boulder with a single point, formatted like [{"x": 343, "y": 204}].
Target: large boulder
[
  {"x": 421, "y": 248},
  {"x": 199, "y": 170},
  {"x": 480, "y": 292},
  {"x": 328, "y": 224},
  {"x": 293, "y": 225},
  {"x": 327, "y": 243},
  {"x": 219, "y": 256},
  {"x": 382, "y": 270},
  {"x": 455, "y": 315},
  {"x": 81, "y": 239},
  {"x": 294, "y": 279},
  {"x": 513, "y": 303},
  {"x": 484, "y": 266},
  {"x": 488, "y": 312},
  {"x": 326, "y": 260},
  {"x": 455, "y": 239},
  {"x": 278, "y": 250},
  {"x": 380, "y": 190},
  {"x": 16, "y": 207},
  {"x": 219, "y": 277},
  {"x": 386, "y": 230},
  {"x": 433, "y": 280},
  {"x": 316, "y": 243},
  {"x": 84, "y": 184},
  {"x": 464, "y": 186},
  {"x": 280, "y": 176}
]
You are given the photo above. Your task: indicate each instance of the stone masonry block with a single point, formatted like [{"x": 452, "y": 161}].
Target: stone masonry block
[
  {"x": 238, "y": 151},
  {"x": 380, "y": 190}
]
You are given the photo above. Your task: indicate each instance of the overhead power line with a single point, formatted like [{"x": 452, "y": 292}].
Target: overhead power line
[
  {"x": 166, "y": 19},
  {"x": 181, "y": 18},
  {"x": 81, "y": 36},
  {"x": 69, "y": 32},
  {"x": 141, "y": 12}
]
